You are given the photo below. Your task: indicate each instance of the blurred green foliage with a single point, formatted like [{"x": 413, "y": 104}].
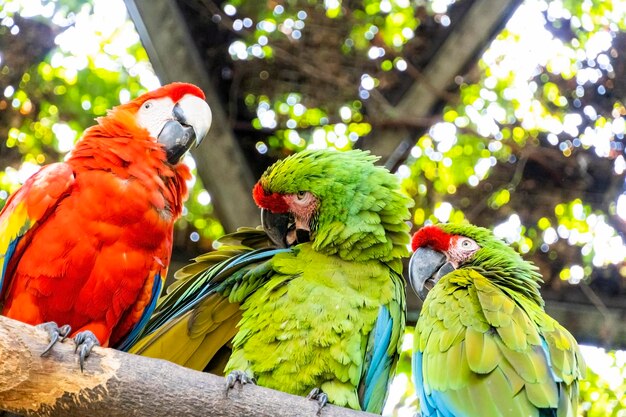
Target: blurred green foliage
[
  {"x": 601, "y": 398},
  {"x": 371, "y": 36}
]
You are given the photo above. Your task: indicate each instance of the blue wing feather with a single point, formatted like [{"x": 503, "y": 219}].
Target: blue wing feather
[
  {"x": 7, "y": 258},
  {"x": 382, "y": 338},
  {"x": 432, "y": 405},
  {"x": 546, "y": 350},
  {"x": 380, "y": 363},
  {"x": 132, "y": 337}
]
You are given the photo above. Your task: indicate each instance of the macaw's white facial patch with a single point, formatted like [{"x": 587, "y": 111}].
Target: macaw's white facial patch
[{"x": 154, "y": 113}]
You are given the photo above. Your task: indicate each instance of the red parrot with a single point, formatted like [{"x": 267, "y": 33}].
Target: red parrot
[{"x": 86, "y": 243}]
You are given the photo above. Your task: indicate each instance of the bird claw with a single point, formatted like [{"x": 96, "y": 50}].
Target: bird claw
[
  {"x": 84, "y": 341},
  {"x": 320, "y": 396},
  {"x": 238, "y": 376},
  {"x": 54, "y": 332}
]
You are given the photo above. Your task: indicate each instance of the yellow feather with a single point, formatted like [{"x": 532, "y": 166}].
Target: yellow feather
[
  {"x": 211, "y": 313},
  {"x": 456, "y": 355},
  {"x": 193, "y": 339},
  {"x": 212, "y": 343},
  {"x": 544, "y": 395},
  {"x": 514, "y": 381},
  {"x": 481, "y": 350}
]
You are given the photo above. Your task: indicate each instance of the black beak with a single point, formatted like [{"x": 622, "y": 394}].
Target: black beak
[
  {"x": 177, "y": 136},
  {"x": 281, "y": 229},
  {"x": 191, "y": 120},
  {"x": 426, "y": 268}
]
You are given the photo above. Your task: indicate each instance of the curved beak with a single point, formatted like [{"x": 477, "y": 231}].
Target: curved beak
[
  {"x": 281, "y": 229},
  {"x": 426, "y": 267},
  {"x": 191, "y": 120}
]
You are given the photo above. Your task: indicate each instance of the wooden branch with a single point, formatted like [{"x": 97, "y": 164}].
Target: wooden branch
[{"x": 119, "y": 384}]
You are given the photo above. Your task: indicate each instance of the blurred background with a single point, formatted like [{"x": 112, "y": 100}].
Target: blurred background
[{"x": 507, "y": 113}]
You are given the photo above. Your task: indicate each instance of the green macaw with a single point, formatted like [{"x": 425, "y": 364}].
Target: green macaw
[
  {"x": 484, "y": 346},
  {"x": 322, "y": 308}
]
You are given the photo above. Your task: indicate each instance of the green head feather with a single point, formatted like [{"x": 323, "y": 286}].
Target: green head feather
[
  {"x": 361, "y": 213},
  {"x": 499, "y": 262}
]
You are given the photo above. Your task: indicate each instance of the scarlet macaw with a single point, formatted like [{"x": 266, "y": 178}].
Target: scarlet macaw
[{"x": 86, "y": 243}]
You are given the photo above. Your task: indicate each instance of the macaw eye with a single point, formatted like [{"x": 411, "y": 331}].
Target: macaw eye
[
  {"x": 147, "y": 105},
  {"x": 468, "y": 244},
  {"x": 301, "y": 195}
]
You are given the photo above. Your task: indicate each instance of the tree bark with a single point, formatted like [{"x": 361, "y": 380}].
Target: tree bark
[{"x": 115, "y": 384}]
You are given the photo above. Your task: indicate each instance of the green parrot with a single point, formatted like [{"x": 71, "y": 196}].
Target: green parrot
[
  {"x": 312, "y": 304},
  {"x": 483, "y": 345}
]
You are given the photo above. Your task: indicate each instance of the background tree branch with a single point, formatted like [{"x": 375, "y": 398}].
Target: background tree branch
[{"x": 116, "y": 384}]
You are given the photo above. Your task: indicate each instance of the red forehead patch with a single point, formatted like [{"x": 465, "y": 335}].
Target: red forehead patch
[
  {"x": 175, "y": 91},
  {"x": 273, "y": 202},
  {"x": 431, "y": 236}
]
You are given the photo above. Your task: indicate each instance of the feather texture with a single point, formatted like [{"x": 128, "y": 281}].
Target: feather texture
[
  {"x": 87, "y": 242},
  {"x": 485, "y": 347},
  {"x": 326, "y": 314}
]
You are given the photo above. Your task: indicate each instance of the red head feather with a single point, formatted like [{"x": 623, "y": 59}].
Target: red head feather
[
  {"x": 175, "y": 91},
  {"x": 431, "y": 236},
  {"x": 273, "y": 202}
]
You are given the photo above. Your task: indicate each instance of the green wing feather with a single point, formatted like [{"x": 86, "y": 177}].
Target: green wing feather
[
  {"x": 498, "y": 342},
  {"x": 197, "y": 317}
]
